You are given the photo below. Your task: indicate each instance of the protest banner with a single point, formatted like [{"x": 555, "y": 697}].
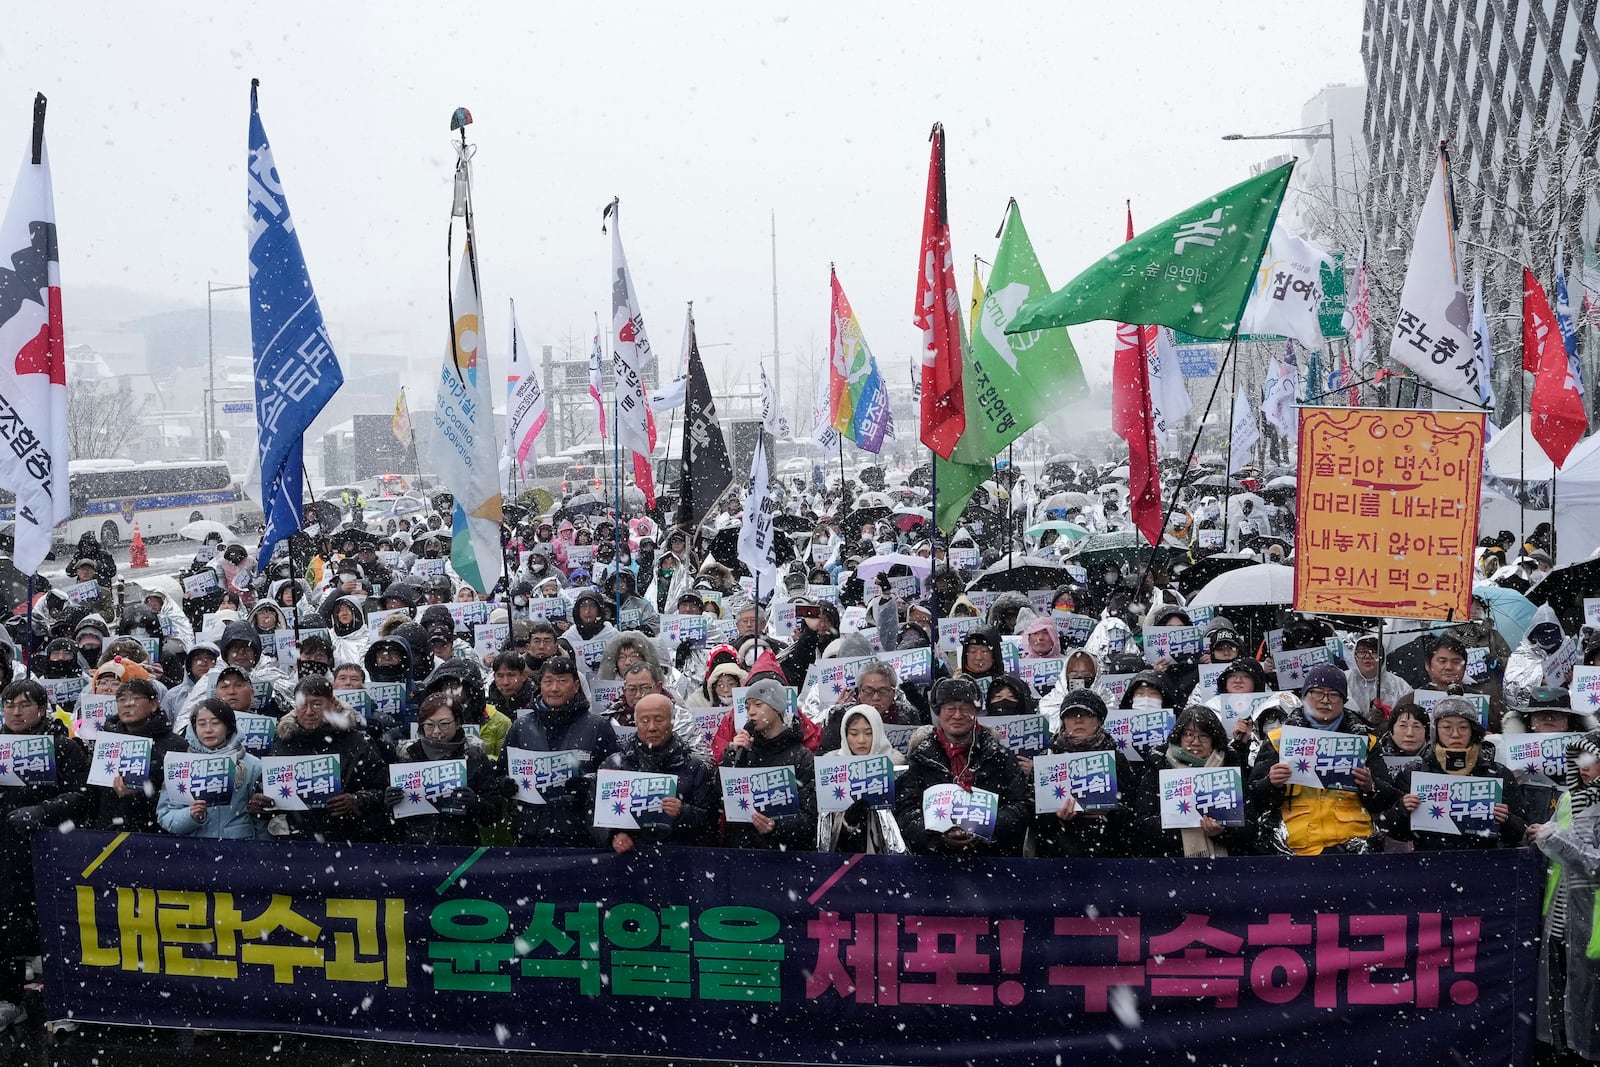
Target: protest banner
[
  {"x": 1454, "y": 804},
  {"x": 1189, "y": 794},
  {"x": 423, "y": 783},
  {"x": 631, "y": 800},
  {"x": 1090, "y": 778},
  {"x": 773, "y": 791},
  {"x": 843, "y": 780}
]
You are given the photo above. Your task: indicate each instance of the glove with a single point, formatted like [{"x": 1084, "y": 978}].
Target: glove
[
  {"x": 393, "y": 796},
  {"x": 456, "y": 802},
  {"x": 858, "y": 813},
  {"x": 504, "y": 788},
  {"x": 24, "y": 821}
]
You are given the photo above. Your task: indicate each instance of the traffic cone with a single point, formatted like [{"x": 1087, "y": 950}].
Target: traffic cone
[{"x": 138, "y": 558}]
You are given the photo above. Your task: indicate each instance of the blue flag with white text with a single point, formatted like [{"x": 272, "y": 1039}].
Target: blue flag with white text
[{"x": 296, "y": 371}]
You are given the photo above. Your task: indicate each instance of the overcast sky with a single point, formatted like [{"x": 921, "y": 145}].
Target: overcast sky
[{"x": 701, "y": 117}]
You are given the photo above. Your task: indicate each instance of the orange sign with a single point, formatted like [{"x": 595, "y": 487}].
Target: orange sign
[{"x": 1388, "y": 511}]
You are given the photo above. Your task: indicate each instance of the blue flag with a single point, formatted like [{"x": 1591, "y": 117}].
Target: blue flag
[
  {"x": 1563, "y": 309},
  {"x": 296, "y": 371}
]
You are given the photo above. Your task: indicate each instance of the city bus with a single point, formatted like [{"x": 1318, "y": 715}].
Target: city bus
[{"x": 109, "y": 496}]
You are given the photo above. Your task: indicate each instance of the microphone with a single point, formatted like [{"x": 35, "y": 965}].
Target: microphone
[{"x": 741, "y": 756}]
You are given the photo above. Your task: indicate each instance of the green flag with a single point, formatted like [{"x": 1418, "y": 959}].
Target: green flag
[
  {"x": 1010, "y": 382},
  {"x": 1193, "y": 272}
]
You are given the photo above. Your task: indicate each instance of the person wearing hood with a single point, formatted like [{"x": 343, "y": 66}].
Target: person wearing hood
[
  {"x": 443, "y": 641},
  {"x": 348, "y": 623},
  {"x": 61, "y": 660},
  {"x": 717, "y": 690},
  {"x": 877, "y": 687},
  {"x": 1079, "y": 670},
  {"x": 641, "y": 679},
  {"x": 1459, "y": 749},
  {"x": 214, "y": 731},
  {"x": 320, "y": 725},
  {"x": 1374, "y": 692},
  {"x": 240, "y": 646},
  {"x": 1243, "y": 675},
  {"x": 656, "y": 749},
  {"x": 392, "y": 660},
  {"x": 637, "y": 612},
  {"x": 1040, "y": 640},
  {"x": 814, "y": 631},
  {"x": 132, "y": 805},
  {"x": 1197, "y": 740},
  {"x": 958, "y": 751},
  {"x": 981, "y": 655},
  {"x": 464, "y": 811},
  {"x": 91, "y": 634},
  {"x": 1070, "y": 831},
  {"x": 64, "y": 800},
  {"x": 769, "y": 737},
  {"x": 461, "y": 681},
  {"x": 173, "y": 622},
  {"x": 1567, "y": 1011},
  {"x": 586, "y": 639},
  {"x": 197, "y": 663},
  {"x": 1525, "y": 667},
  {"x": 561, "y": 721},
  {"x": 1305, "y": 821},
  {"x": 861, "y": 827}
]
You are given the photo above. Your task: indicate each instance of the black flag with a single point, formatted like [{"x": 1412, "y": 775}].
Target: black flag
[{"x": 706, "y": 470}]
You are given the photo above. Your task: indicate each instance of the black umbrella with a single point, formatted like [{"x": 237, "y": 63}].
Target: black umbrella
[
  {"x": 1021, "y": 573},
  {"x": 584, "y": 504},
  {"x": 725, "y": 549},
  {"x": 794, "y": 523},
  {"x": 1216, "y": 481},
  {"x": 1194, "y": 578},
  {"x": 1564, "y": 589}
]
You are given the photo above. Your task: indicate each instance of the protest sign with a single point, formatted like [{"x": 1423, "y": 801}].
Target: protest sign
[
  {"x": 424, "y": 783},
  {"x": 1090, "y": 778},
  {"x": 1322, "y": 759},
  {"x": 773, "y": 791},
  {"x": 198, "y": 776},
  {"x": 949, "y": 807},
  {"x": 27, "y": 760},
  {"x": 843, "y": 780},
  {"x": 535, "y": 772},
  {"x": 1189, "y": 794},
  {"x": 1454, "y": 804},
  {"x": 631, "y": 800},
  {"x": 300, "y": 783},
  {"x": 120, "y": 754}
]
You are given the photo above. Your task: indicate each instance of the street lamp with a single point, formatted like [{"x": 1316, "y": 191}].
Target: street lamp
[
  {"x": 1308, "y": 133},
  {"x": 211, "y": 365}
]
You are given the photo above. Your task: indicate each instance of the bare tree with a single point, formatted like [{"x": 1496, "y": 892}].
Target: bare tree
[{"x": 101, "y": 418}]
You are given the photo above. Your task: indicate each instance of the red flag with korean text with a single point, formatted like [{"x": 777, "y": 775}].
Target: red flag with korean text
[
  {"x": 1133, "y": 420},
  {"x": 944, "y": 415},
  {"x": 1559, "y": 418}
]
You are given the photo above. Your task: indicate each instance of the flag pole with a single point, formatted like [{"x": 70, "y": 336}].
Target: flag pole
[
  {"x": 1011, "y": 510},
  {"x": 1522, "y": 445},
  {"x": 616, "y": 474},
  {"x": 933, "y": 550},
  {"x": 1227, "y": 468}
]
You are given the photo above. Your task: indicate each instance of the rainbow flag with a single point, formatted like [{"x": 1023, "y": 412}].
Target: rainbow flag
[{"x": 857, "y": 397}]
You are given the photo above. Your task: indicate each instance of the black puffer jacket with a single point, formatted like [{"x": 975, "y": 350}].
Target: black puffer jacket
[
  {"x": 1511, "y": 831},
  {"x": 697, "y": 788},
  {"x": 565, "y": 818},
  {"x": 67, "y": 798},
  {"x": 992, "y": 767},
  {"x": 484, "y": 778},
  {"x": 1096, "y": 834},
  {"x": 363, "y": 773},
  {"x": 793, "y": 833},
  {"x": 137, "y": 811}
]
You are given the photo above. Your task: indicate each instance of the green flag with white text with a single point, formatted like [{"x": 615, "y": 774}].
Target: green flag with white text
[
  {"x": 1010, "y": 382},
  {"x": 1192, "y": 272}
]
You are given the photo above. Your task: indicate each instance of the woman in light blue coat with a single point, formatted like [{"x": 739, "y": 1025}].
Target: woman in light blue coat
[{"x": 214, "y": 731}]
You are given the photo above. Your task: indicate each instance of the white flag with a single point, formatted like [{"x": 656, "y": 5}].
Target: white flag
[
  {"x": 1169, "y": 397},
  {"x": 1277, "y": 399},
  {"x": 1245, "y": 434},
  {"x": 672, "y": 394},
  {"x": 1287, "y": 297},
  {"x": 772, "y": 409},
  {"x": 33, "y": 374},
  {"x": 1358, "y": 316},
  {"x": 630, "y": 355},
  {"x": 1482, "y": 345},
  {"x": 525, "y": 407},
  {"x": 1433, "y": 327},
  {"x": 822, "y": 431},
  {"x": 757, "y": 549}
]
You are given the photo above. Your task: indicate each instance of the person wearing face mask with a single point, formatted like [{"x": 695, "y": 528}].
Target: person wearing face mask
[
  {"x": 1459, "y": 749},
  {"x": 1079, "y": 671},
  {"x": 1197, "y": 740},
  {"x": 464, "y": 811},
  {"x": 590, "y": 632},
  {"x": 770, "y": 738},
  {"x": 1525, "y": 668},
  {"x": 214, "y": 731},
  {"x": 28, "y": 808},
  {"x": 1307, "y": 822},
  {"x": 957, "y": 750},
  {"x": 1070, "y": 831},
  {"x": 656, "y": 749},
  {"x": 316, "y": 655},
  {"x": 91, "y": 634},
  {"x": 1567, "y": 1011},
  {"x": 861, "y": 827}
]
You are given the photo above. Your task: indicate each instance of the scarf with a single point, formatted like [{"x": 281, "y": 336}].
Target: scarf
[
  {"x": 960, "y": 757},
  {"x": 1326, "y": 727},
  {"x": 1099, "y": 741},
  {"x": 435, "y": 750},
  {"x": 1449, "y": 757}
]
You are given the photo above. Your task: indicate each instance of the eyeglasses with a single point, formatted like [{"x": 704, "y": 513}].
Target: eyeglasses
[
  {"x": 438, "y": 726},
  {"x": 19, "y": 703},
  {"x": 639, "y": 690},
  {"x": 1322, "y": 696},
  {"x": 875, "y": 690}
]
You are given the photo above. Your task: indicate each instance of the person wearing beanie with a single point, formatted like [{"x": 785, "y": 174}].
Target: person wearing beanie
[
  {"x": 769, "y": 737},
  {"x": 1299, "y": 820},
  {"x": 961, "y": 752},
  {"x": 1458, "y": 748},
  {"x": 1070, "y": 831},
  {"x": 1368, "y": 685},
  {"x": 131, "y": 806},
  {"x": 1569, "y": 980}
]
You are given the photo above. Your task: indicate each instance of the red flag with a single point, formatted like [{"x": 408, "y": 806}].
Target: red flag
[
  {"x": 1559, "y": 419},
  {"x": 1133, "y": 421},
  {"x": 944, "y": 413}
]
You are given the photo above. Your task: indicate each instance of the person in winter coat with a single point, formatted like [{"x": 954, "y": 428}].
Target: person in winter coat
[
  {"x": 1079, "y": 670},
  {"x": 861, "y": 827},
  {"x": 1525, "y": 667},
  {"x": 814, "y": 631},
  {"x": 1040, "y": 640},
  {"x": 1545, "y": 709},
  {"x": 241, "y": 647},
  {"x": 878, "y": 687},
  {"x": 590, "y": 633},
  {"x": 126, "y": 805},
  {"x": 717, "y": 690},
  {"x": 637, "y": 612},
  {"x": 349, "y": 625},
  {"x": 656, "y": 749},
  {"x": 170, "y": 614},
  {"x": 513, "y": 689},
  {"x": 1303, "y": 821},
  {"x": 766, "y": 666},
  {"x": 1567, "y": 1012},
  {"x": 464, "y": 811},
  {"x": 321, "y": 726},
  {"x": 214, "y": 731},
  {"x": 981, "y": 655},
  {"x": 461, "y": 681},
  {"x": 1197, "y": 740},
  {"x": 561, "y": 720},
  {"x": 956, "y": 750},
  {"x": 24, "y": 711},
  {"x": 1459, "y": 749},
  {"x": 1070, "y": 830},
  {"x": 197, "y": 663},
  {"x": 1445, "y": 666},
  {"x": 641, "y": 680},
  {"x": 1370, "y": 685},
  {"x": 770, "y": 738}
]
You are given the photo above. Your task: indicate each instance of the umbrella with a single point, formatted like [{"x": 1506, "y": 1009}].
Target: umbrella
[
  {"x": 1564, "y": 589},
  {"x": 873, "y": 500},
  {"x": 1282, "y": 481},
  {"x": 1216, "y": 481},
  {"x": 1197, "y": 576},
  {"x": 201, "y": 529},
  {"x": 1264, "y": 583},
  {"x": 1120, "y": 472},
  {"x": 1069, "y": 531},
  {"x": 1512, "y": 612},
  {"x": 725, "y": 549},
  {"x": 1098, "y": 550},
  {"x": 794, "y": 523},
  {"x": 583, "y": 504},
  {"x": 875, "y": 565},
  {"x": 908, "y": 519},
  {"x": 1022, "y": 573}
]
